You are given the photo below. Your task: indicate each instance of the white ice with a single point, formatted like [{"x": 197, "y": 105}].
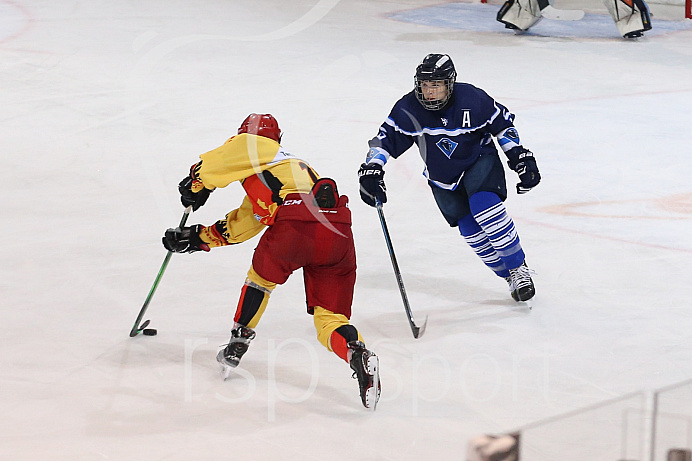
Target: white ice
[{"x": 105, "y": 105}]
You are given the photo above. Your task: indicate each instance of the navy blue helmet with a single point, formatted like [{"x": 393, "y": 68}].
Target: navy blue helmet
[{"x": 438, "y": 68}]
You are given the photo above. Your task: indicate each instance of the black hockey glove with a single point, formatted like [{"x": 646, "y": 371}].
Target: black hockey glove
[
  {"x": 189, "y": 198},
  {"x": 185, "y": 240},
  {"x": 372, "y": 188},
  {"x": 522, "y": 162}
]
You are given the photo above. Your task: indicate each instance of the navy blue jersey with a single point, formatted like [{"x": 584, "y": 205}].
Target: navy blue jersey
[{"x": 450, "y": 140}]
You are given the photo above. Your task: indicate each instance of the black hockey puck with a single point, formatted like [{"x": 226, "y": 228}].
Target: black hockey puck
[{"x": 149, "y": 332}]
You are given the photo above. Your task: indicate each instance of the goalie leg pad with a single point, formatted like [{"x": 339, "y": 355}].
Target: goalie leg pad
[
  {"x": 519, "y": 14},
  {"x": 632, "y": 17}
]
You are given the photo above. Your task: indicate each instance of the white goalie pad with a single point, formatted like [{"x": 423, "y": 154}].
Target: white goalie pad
[
  {"x": 631, "y": 16},
  {"x": 519, "y": 14}
]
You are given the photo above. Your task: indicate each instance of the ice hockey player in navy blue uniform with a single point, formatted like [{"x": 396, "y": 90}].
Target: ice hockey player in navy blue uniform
[{"x": 453, "y": 125}]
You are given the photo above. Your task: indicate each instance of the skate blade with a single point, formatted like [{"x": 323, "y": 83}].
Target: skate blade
[
  {"x": 372, "y": 395},
  {"x": 225, "y": 371},
  {"x": 528, "y": 303}
]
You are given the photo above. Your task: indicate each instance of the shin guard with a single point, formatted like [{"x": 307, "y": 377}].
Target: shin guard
[
  {"x": 251, "y": 305},
  {"x": 490, "y": 214},
  {"x": 340, "y": 338},
  {"x": 480, "y": 244},
  {"x": 334, "y": 332}
]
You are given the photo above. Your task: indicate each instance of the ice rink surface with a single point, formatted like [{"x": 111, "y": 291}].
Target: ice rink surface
[{"x": 105, "y": 105}]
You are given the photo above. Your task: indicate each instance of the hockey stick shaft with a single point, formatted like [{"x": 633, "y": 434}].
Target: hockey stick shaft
[
  {"x": 550, "y": 12},
  {"x": 416, "y": 330},
  {"x": 137, "y": 328}
]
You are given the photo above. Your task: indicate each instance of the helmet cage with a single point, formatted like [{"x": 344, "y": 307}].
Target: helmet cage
[
  {"x": 434, "y": 104},
  {"x": 435, "y": 67}
]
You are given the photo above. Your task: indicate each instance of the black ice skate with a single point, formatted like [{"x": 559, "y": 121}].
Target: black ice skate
[
  {"x": 523, "y": 288},
  {"x": 366, "y": 367},
  {"x": 237, "y": 346}
]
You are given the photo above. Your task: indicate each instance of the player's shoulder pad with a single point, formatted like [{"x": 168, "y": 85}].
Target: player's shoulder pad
[
  {"x": 470, "y": 91},
  {"x": 407, "y": 112}
]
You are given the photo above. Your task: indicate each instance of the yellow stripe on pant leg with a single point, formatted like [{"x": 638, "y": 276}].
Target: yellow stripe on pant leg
[
  {"x": 326, "y": 322},
  {"x": 258, "y": 280}
]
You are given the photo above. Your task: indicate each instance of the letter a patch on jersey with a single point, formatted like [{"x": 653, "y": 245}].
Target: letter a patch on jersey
[
  {"x": 466, "y": 119},
  {"x": 447, "y": 146}
]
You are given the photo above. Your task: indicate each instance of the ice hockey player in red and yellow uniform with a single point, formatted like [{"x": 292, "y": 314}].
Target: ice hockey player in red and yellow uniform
[{"x": 308, "y": 226}]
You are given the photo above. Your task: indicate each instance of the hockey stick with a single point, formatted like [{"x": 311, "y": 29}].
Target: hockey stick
[
  {"x": 137, "y": 328},
  {"x": 550, "y": 12},
  {"x": 417, "y": 331}
]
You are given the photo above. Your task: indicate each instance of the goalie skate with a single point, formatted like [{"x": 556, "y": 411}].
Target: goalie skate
[{"x": 366, "y": 368}]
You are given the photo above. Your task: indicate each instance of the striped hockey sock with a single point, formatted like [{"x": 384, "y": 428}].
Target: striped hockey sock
[
  {"x": 480, "y": 244},
  {"x": 490, "y": 214}
]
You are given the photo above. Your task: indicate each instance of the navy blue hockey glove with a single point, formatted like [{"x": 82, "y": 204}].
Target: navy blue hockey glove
[
  {"x": 372, "y": 188},
  {"x": 189, "y": 198},
  {"x": 185, "y": 240},
  {"x": 522, "y": 162}
]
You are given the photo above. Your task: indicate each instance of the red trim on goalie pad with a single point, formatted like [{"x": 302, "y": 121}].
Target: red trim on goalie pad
[
  {"x": 321, "y": 244},
  {"x": 339, "y": 345}
]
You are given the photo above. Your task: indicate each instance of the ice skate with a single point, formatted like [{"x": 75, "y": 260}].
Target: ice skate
[
  {"x": 229, "y": 357},
  {"x": 366, "y": 368},
  {"x": 512, "y": 289},
  {"x": 523, "y": 289}
]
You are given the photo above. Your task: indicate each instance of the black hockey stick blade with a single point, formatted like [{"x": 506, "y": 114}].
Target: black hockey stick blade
[
  {"x": 418, "y": 331},
  {"x": 138, "y": 329}
]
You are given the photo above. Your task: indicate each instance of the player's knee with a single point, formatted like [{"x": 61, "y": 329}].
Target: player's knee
[
  {"x": 468, "y": 225},
  {"x": 257, "y": 281}
]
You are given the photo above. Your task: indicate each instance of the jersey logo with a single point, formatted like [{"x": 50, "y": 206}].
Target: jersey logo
[
  {"x": 382, "y": 134},
  {"x": 284, "y": 153},
  {"x": 512, "y": 135},
  {"x": 447, "y": 146},
  {"x": 444, "y": 121}
]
